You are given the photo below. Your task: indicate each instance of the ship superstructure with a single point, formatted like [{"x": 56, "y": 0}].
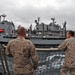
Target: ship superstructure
[
  {"x": 6, "y": 28},
  {"x": 51, "y": 29}
]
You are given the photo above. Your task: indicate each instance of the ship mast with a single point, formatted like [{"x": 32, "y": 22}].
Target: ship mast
[
  {"x": 53, "y": 20},
  {"x": 3, "y": 16},
  {"x": 0, "y": 18},
  {"x": 64, "y": 29},
  {"x": 37, "y": 21}
]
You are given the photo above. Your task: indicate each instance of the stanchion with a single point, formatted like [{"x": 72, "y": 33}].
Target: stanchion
[
  {"x": 5, "y": 58},
  {"x": 2, "y": 60},
  {"x": 3, "y": 55}
]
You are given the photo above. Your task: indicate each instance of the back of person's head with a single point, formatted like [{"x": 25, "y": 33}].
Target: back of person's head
[
  {"x": 70, "y": 33},
  {"x": 21, "y": 31}
]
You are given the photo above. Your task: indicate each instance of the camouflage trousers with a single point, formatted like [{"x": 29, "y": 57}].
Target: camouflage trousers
[
  {"x": 67, "y": 71},
  {"x": 23, "y": 74}
]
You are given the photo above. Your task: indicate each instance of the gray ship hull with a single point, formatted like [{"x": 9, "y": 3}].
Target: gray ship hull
[{"x": 39, "y": 42}]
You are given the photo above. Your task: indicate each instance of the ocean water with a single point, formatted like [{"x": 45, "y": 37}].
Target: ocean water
[{"x": 50, "y": 63}]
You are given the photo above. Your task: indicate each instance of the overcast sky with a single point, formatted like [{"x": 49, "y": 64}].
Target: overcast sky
[{"x": 24, "y": 12}]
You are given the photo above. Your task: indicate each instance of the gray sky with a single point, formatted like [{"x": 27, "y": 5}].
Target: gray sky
[{"x": 26, "y": 11}]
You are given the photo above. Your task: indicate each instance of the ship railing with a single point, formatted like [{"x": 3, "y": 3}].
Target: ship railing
[{"x": 50, "y": 61}]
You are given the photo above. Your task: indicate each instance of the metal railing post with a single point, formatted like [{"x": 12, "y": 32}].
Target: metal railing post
[
  {"x": 2, "y": 60},
  {"x": 3, "y": 55},
  {"x": 6, "y": 63}
]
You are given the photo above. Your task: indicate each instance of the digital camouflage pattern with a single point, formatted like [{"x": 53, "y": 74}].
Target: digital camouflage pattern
[
  {"x": 69, "y": 63},
  {"x": 24, "y": 55}
]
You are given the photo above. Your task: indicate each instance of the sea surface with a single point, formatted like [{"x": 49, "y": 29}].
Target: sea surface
[{"x": 50, "y": 63}]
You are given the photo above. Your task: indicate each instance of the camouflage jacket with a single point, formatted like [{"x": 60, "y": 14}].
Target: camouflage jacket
[
  {"x": 69, "y": 46},
  {"x": 24, "y": 55}
]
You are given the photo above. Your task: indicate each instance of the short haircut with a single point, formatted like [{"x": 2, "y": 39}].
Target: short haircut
[
  {"x": 71, "y": 33},
  {"x": 21, "y": 31}
]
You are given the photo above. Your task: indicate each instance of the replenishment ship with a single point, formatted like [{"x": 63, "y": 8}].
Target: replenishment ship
[{"x": 43, "y": 35}]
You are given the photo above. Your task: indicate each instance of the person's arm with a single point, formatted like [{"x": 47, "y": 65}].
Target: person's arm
[
  {"x": 34, "y": 56},
  {"x": 63, "y": 45}
]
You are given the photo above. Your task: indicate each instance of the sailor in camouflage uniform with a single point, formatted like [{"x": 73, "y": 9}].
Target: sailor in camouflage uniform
[
  {"x": 69, "y": 46},
  {"x": 24, "y": 54}
]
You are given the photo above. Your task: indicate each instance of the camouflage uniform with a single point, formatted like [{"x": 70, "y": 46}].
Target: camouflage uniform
[
  {"x": 69, "y": 63},
  {"x": 24, "y": 56}
]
